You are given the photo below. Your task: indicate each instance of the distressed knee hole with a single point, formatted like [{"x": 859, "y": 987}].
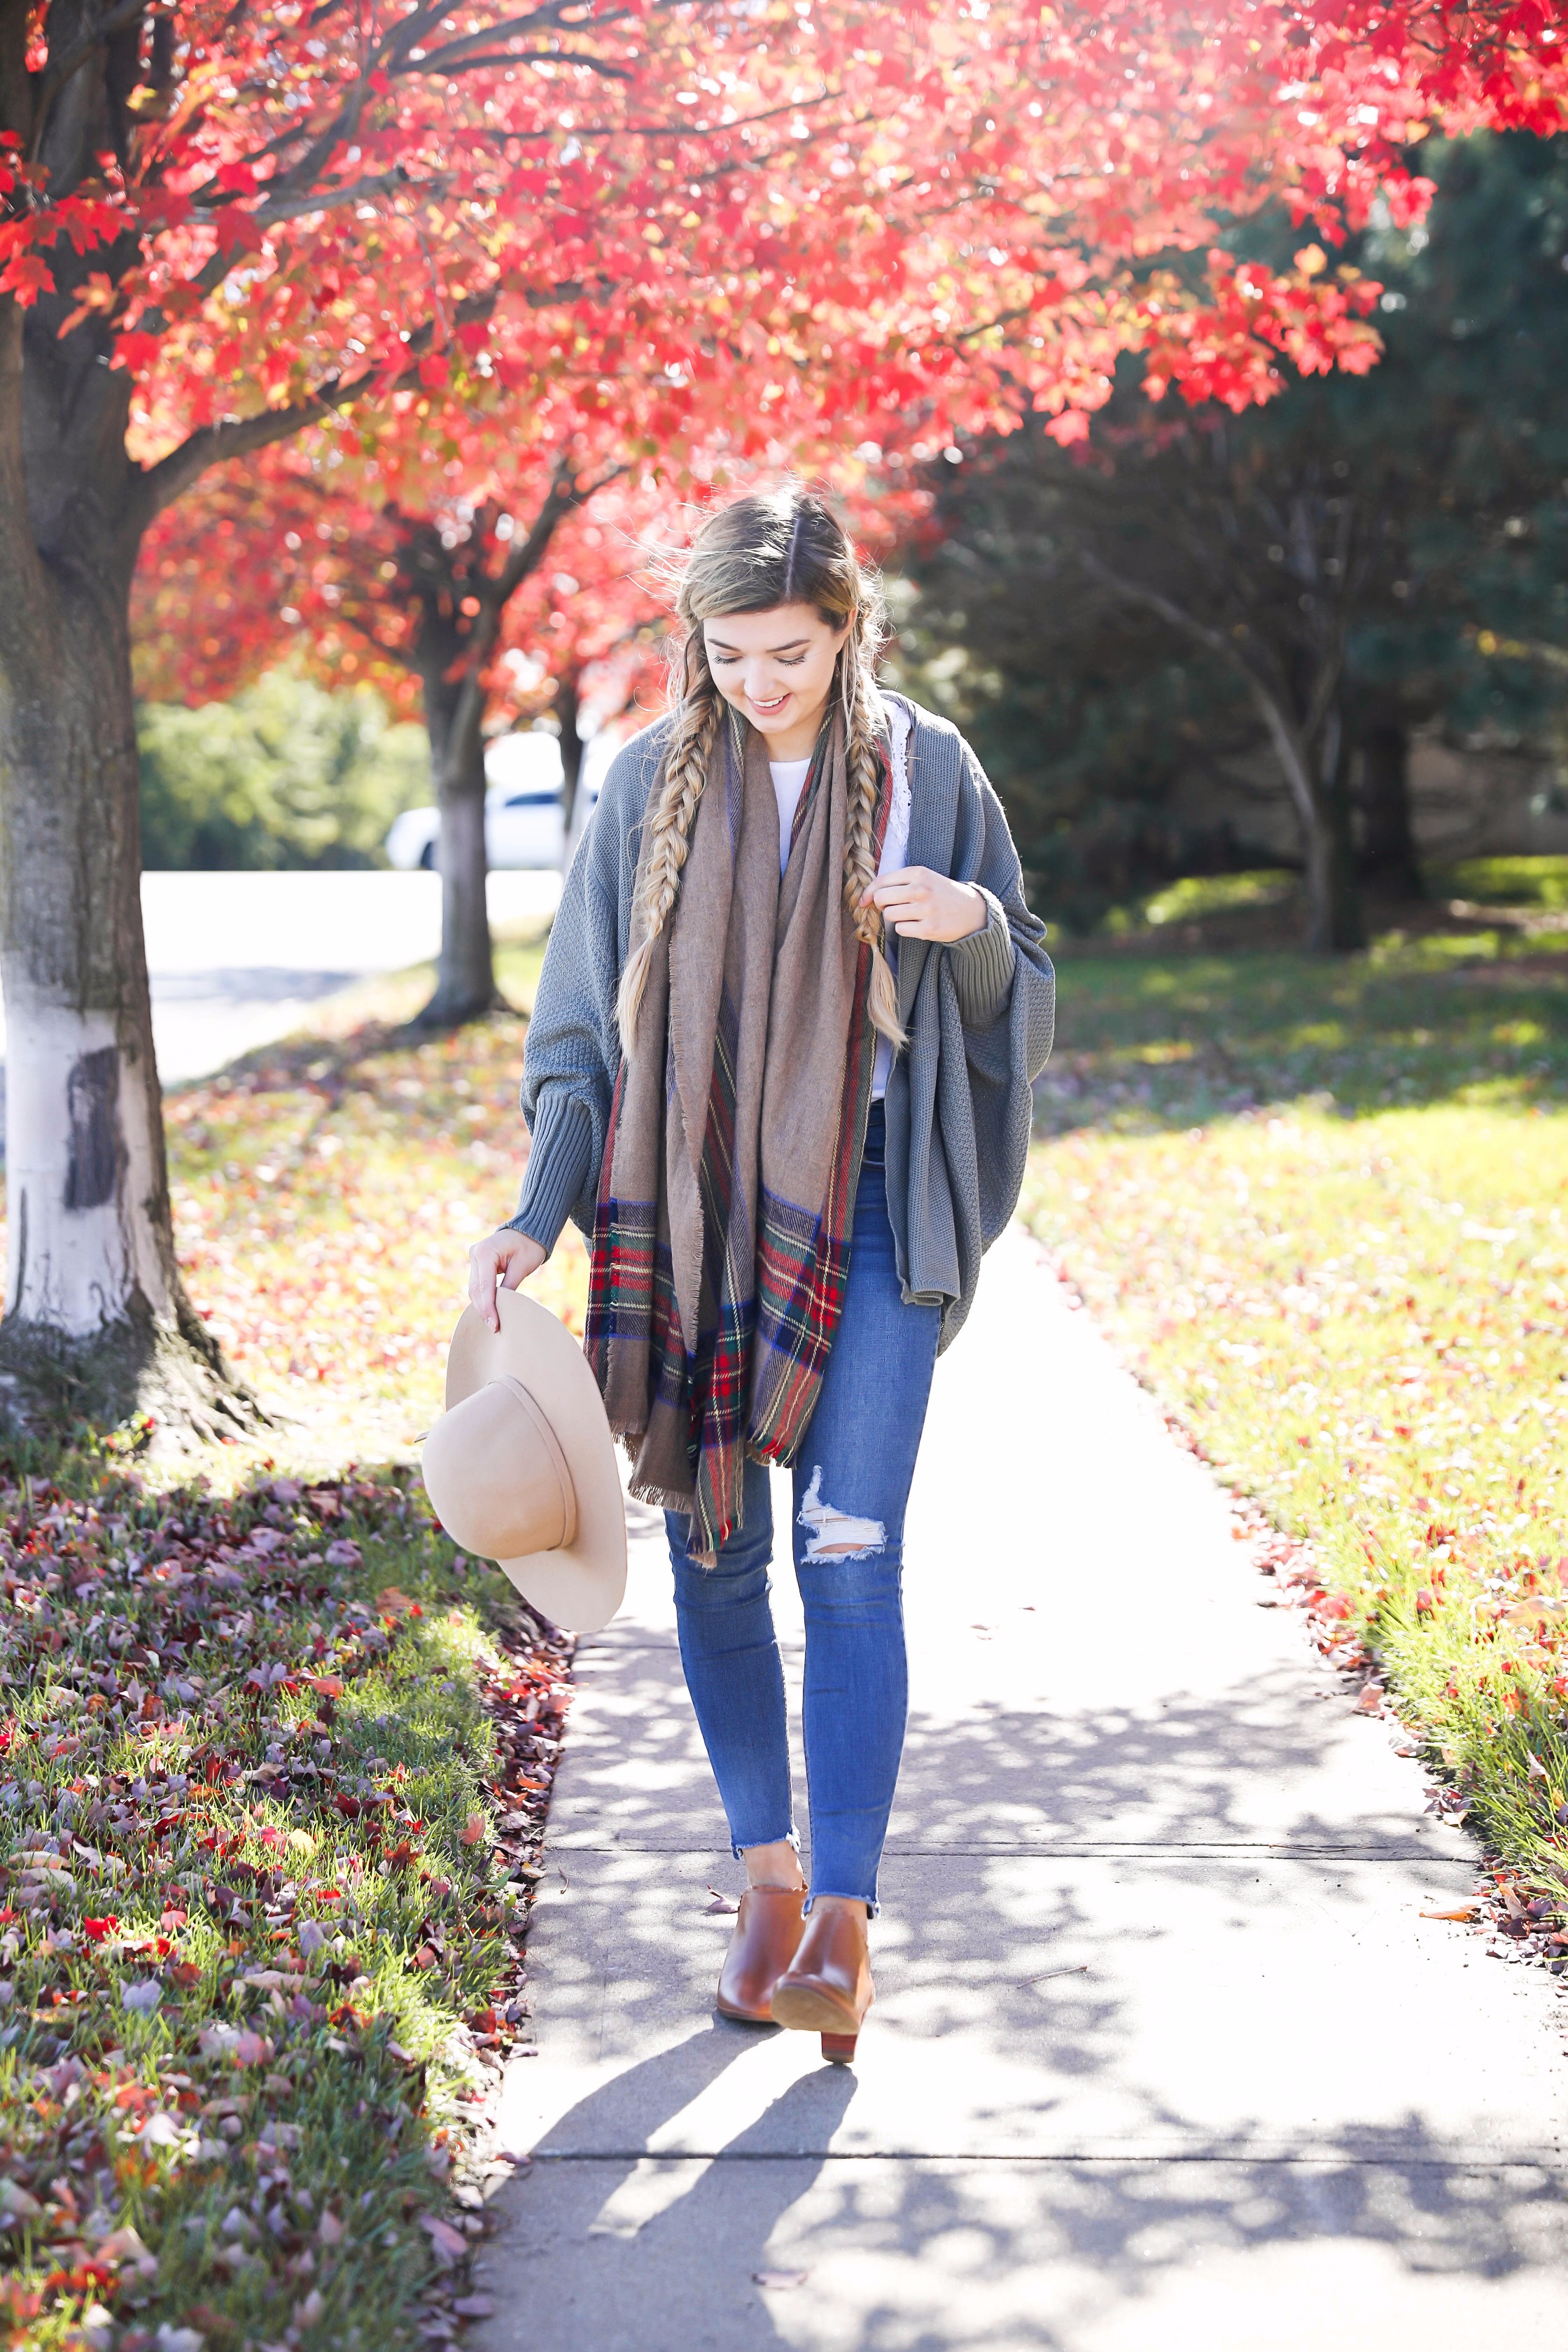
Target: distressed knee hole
[{"x": 834, "y": 1533}]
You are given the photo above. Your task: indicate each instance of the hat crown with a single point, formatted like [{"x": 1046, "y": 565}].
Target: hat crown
[{"x": 497, "y": 1475}]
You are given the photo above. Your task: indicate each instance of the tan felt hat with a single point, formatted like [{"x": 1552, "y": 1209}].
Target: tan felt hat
[{"x": 522, "y": 1466}]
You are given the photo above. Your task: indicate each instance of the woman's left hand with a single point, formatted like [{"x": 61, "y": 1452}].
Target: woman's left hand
[{"x": 921, "y": 905}]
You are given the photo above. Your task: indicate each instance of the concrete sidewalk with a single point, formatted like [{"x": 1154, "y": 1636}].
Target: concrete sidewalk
[{"x": 1163, "y": 2053}]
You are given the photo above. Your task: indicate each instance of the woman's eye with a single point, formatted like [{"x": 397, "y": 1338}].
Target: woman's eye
[{"x": 728, "y": 661}]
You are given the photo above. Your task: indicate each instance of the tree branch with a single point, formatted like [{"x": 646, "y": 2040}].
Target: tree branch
[
  {"x": 402, "y": 654},
  {"x": 563, "y": 495},
  {"x": 1289, "y": 747},
  {"x": 440, "y": 61},
  {"x": 56, "y": 76},
  {"x": 237, "y": 436}
]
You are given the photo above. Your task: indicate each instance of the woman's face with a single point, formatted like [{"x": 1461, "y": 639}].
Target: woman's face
[{"x": 776, "y": 668}]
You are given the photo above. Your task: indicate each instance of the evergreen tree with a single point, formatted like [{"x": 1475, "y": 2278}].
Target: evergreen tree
[{"x": 1365, "y": 554}]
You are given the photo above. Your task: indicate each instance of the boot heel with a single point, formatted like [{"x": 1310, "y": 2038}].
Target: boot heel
[{"x": 838, "y": 2049}]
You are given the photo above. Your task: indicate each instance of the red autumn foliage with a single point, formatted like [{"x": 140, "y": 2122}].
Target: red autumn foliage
[{"x": 298, "y": 209}]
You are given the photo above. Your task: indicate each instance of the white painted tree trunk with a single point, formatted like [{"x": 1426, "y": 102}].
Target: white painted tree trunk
[
  {"x": 82, "y": 1169},
  {"x": 96, "y": 1325}
]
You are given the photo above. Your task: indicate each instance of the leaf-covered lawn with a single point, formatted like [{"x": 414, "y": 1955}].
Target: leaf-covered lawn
[
  {"x": 267, "y": 1853},
  {"x": 273, "y": 1763},
  {"x": 326, "y": 1192},
  {"x": 1324, "y": 1207}
]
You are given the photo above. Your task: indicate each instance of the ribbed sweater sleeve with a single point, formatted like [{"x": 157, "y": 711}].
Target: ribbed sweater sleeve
[
  {"x": 982, "y": 967},
  {"x": 559, "y": 1166}
]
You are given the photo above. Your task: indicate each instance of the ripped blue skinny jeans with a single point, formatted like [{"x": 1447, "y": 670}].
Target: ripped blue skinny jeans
[{"x": 851, "y": 1486}]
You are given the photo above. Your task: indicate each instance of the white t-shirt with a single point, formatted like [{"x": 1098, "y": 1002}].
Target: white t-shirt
[{"x": 789, "y": 782}]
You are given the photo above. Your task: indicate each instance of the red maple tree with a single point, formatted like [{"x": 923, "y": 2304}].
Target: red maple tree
[
  {"x": 219, "y": 226},
  {"x": 490, "y": 601}
]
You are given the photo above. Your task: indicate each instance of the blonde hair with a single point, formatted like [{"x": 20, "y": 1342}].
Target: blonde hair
[{"x": 783, "y": 547}]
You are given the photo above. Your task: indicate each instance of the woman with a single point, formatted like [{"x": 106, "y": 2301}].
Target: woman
[{"x": 779, "y": 1067}]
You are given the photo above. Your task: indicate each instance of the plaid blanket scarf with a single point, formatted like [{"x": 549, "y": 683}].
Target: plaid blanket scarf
[{"x": 727, "y": 1190}]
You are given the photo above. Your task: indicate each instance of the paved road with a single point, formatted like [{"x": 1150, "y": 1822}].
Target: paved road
[
  {"x": 1270, "y": 2105},
  {"x": 239, "y": 958}
]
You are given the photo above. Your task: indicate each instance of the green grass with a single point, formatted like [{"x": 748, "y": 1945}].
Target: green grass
[
  {"x": 1199, "y": 896},
  {"x": 273, "y": 1761},
  {"x": 1509, "y": 881},
  {"x": 1324, "y": 1208},
  {"x": 1474, "y": 1015}
]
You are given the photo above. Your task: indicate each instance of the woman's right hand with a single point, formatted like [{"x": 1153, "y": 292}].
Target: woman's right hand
[{"x": 506, "y": 1257}]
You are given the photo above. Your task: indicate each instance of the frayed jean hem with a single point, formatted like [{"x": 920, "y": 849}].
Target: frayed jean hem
[
  {"x": 787, "y": 1837},
  {"x": 831, "y": 1895}
]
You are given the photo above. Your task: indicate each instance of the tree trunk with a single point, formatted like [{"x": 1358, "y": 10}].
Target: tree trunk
[
  {"x": 568, "y": 710},
  {"x": 97, "y": 1327},
  {"x": 1388, "y": 855},
  {"x": 461, "y": 608},
  {"x": 465, "y": 979},
  {"x": 1316, "y": 777},
  {"x": 1333, "y": 893},
  {"x": 1334, "y": 925}
]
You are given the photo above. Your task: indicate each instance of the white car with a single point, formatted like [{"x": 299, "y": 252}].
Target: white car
[{"x": 525, "y": 821}]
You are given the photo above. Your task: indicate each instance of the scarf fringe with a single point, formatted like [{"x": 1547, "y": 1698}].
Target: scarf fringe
[{"x": 662, "y": 1498}]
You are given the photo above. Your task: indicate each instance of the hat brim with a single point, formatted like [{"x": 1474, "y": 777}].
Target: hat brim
[{"x": 581, "y": 1585}]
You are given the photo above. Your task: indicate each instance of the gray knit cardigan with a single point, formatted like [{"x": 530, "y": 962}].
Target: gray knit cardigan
[{"x": 979, "y": 1012}]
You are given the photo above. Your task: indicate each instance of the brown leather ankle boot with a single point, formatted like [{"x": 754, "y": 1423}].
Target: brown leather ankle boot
[
  {"x": 767, "y": 1929},
  {"x": 828, "y": 1989}
]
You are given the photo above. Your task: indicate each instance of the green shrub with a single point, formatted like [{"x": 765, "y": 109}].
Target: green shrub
[{"x": 285, "y": 775}]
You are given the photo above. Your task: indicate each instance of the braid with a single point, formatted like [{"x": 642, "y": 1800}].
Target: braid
[
  {"x": 669, "y": 823},
  {"x": 863, "y": 761}
]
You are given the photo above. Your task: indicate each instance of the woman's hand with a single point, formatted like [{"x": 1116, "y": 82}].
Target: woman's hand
[
  {"x": 921, "y": 905},
  {"x": 505, "y": 1257}
]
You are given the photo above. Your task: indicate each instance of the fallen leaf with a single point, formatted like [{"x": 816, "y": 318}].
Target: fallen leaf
[
  {"x": 325, "y": 1685},
  {"x": 449, "y": 2244},
  {"x": 123, "y": 2246},
  {"x": 473, "y": 1829},
  {"x": 1536, "y": 1610},
  {"x": 474, "y": 2306},
  {"x": 1465, "y": 1913}
]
